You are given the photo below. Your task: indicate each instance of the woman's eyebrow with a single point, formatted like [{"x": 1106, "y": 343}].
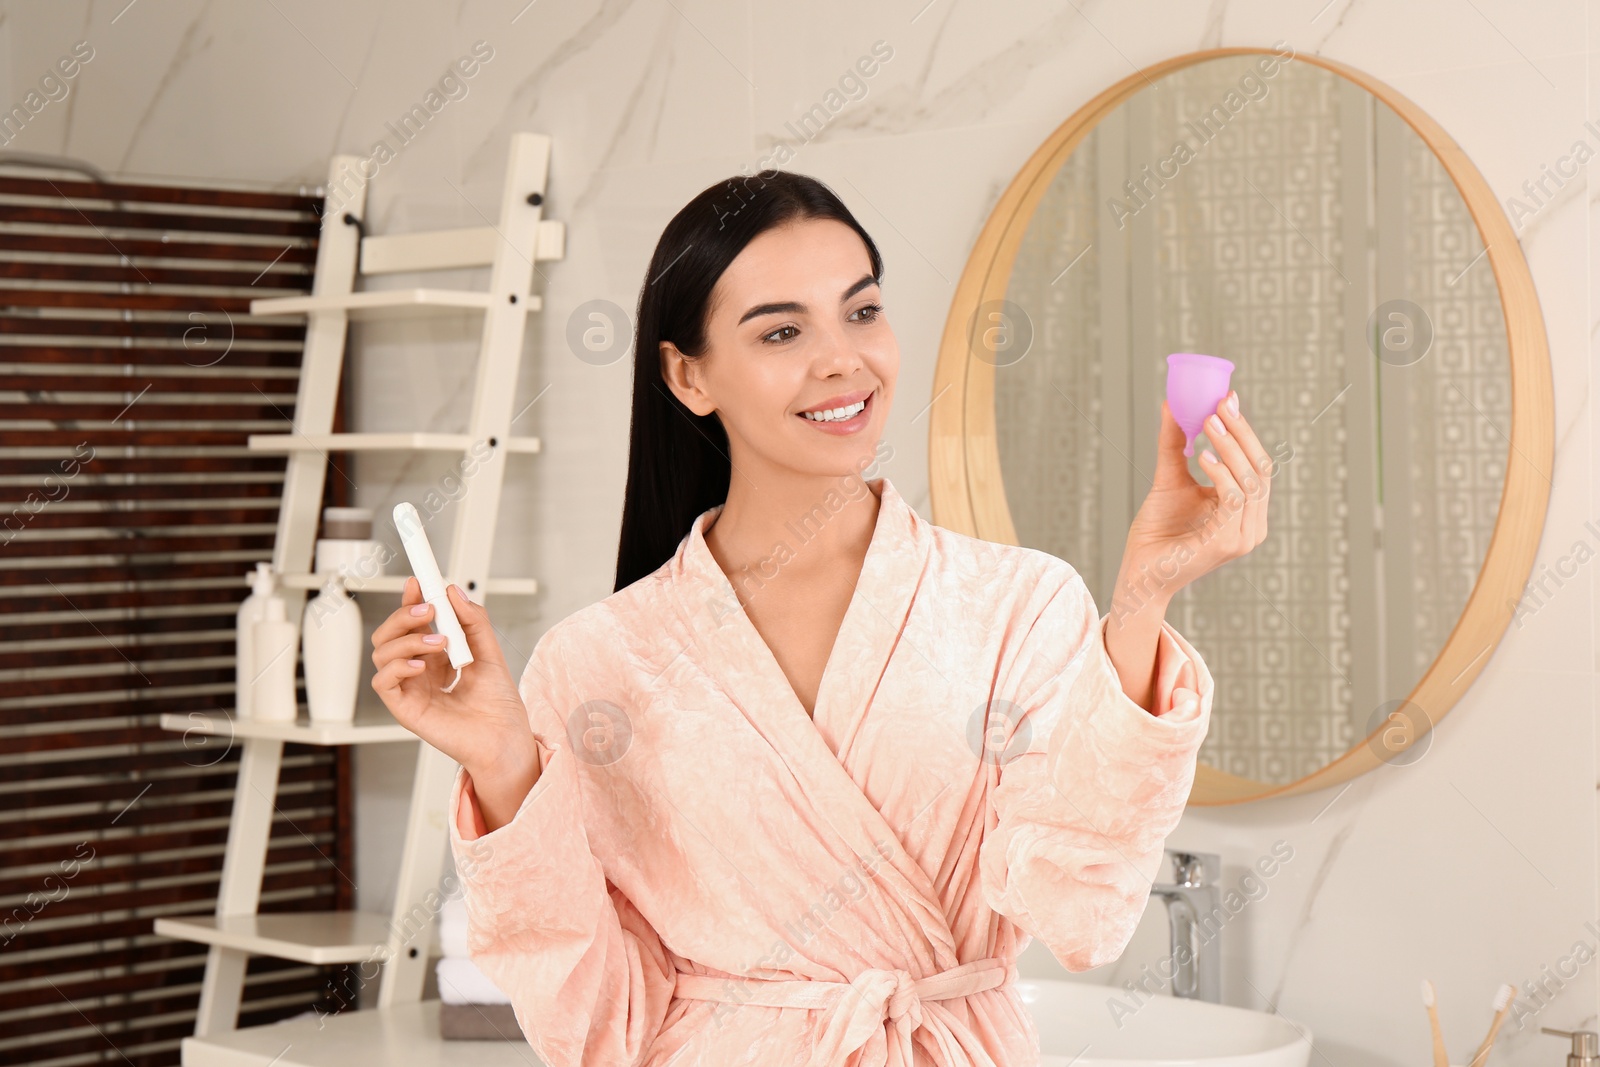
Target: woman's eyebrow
[{"x": 799, "y": 308}]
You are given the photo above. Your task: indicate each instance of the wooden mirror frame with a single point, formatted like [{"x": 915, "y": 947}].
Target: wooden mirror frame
[{"x": 968, "y": 490}]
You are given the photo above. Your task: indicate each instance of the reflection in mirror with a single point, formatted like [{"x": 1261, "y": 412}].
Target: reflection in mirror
[{"x": 1275, "y": 213}]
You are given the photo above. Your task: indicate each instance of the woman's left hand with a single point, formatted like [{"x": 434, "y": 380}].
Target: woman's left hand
[{"x": 1184, "y": 529}]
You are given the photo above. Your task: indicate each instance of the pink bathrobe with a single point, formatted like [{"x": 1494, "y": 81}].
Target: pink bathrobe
[{"x": 703, "y": 874}]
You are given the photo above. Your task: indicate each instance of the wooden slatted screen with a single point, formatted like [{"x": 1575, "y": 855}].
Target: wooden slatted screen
[{"x": 130, "y": 510}]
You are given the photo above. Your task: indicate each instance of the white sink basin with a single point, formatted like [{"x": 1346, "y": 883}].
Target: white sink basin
[{"x": 1165, "y": 1032}]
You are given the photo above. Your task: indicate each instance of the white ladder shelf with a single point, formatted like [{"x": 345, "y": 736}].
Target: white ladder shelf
[{"x": 400, "y": 940}]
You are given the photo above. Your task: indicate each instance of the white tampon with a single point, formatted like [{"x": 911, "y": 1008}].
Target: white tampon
[{"x": 426, "y": 568}]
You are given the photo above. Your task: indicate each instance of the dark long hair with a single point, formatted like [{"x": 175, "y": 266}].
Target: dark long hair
[{"x": 678, "y": 463}]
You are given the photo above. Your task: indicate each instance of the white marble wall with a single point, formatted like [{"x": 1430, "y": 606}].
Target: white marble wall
[{"x": 1473, "y": 866}]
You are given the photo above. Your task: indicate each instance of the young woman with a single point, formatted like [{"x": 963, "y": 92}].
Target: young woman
[{"x": 804, "y": 785}]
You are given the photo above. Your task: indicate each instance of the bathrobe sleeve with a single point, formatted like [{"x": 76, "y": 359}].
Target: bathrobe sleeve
[
  {"x": 587, "y": 977},
  {"x": 1081, "y": 811}
]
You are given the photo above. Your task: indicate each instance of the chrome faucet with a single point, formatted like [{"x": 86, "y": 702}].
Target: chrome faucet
[{"x": 1195, "y": 918}]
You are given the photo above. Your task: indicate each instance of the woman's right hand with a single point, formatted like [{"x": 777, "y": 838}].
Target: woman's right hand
[{"x": 482, "y": 723}]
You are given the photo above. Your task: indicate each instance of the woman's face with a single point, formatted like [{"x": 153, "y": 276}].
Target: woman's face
[{"x": 795, "y": 325}]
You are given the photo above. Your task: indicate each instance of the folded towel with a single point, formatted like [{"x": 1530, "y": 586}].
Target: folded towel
[
  {"x": 453, "y": 927},
  {"x": 461, "y": 982}
]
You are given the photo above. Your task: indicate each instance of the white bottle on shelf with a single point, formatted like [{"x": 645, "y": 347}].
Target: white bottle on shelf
[
  {"x": 331, "y": 640},
  {"x": 251, "y": 610},
  {"x": 274, "y": 653}
]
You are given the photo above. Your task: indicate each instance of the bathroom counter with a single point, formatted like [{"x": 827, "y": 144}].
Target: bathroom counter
[{"x": 403, "y": 1036}]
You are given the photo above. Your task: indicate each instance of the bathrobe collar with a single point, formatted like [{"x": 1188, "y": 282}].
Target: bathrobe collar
[
  {"x": 896, "y": 557},
  {"x": 819, "y": 750}
]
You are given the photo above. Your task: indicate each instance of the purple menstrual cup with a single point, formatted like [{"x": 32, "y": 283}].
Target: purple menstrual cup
[{"x": 1196, "y": 384}]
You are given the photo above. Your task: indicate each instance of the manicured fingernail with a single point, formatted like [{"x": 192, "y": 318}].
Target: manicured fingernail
[
  {"x": 419, "y": 609},
  {"x": 433, "y": 639},
  {"x": 1214, "y": 426},
  {"x": 415, "y": 663},
  {"x": 1209, "y": 456},
  {"x": 1233, "y": 402}
]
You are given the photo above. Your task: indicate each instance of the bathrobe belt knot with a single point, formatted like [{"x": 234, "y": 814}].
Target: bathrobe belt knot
[
  {"x": 878, "y": 1001},
  {"x": 904, "y": 1000}
]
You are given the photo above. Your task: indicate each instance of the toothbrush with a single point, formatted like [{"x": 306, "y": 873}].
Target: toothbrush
[
  {"x": 1502, "y": 1005},
  {"x": 1428, "y": 999}
]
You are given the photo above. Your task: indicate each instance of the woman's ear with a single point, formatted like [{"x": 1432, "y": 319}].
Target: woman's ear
[{"x": 679, "y": 374}]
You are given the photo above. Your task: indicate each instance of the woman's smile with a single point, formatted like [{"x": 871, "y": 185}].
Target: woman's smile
[{"x": 829, "y": 420}]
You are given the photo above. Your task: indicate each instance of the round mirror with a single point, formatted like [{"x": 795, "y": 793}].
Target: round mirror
[{"x": 1314, "y": 227}]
